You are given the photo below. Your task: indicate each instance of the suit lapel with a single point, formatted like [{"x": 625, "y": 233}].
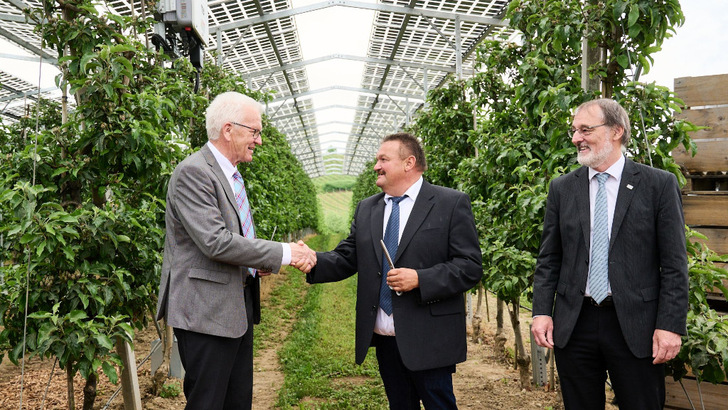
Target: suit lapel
[
  {"x": 582, "y": 202},
  {"x": 217, "y": 171},
  {"x": 377, "y": 223},
  {"x": 627, "y": 186},
  {"x": 424, "y": 203}
]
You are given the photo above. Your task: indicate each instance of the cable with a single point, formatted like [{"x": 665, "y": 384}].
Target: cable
[{"x": 27, "y": 273}]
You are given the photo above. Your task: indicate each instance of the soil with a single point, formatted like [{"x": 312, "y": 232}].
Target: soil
[{"x": 487, "y": 380}]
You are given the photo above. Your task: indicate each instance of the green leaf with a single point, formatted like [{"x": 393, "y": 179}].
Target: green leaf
[
  {"x": 85, "y": 59},
  {"x": 68, "y": 253},
  {"x": 623, "y": 60},
  {"x": 45, "y": 332},
  {"x": 110, "y": 372},
  {"x": 40, "y": 315},
  {"x": 104, "y": 341},
  {"x": 634, "y": 14},
  {"x": 77, "y": 315}
]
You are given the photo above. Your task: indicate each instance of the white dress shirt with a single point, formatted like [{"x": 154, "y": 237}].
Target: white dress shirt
[
  {"x": 612, "y": 187},
  {"x": 385, "y": 323},
  {"x": 229, "y": 170}
]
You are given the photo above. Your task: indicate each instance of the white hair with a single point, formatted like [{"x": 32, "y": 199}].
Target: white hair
[{"x": 226, "y": 107}]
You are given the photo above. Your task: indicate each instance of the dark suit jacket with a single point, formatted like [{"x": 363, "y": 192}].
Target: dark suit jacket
[
  {"x": 440, "y": 242},
  {"x": 205, "y": 254},
  {"x": 647, "y": 256}
]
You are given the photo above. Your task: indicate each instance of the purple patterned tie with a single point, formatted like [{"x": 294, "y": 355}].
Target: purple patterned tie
[{"x": 244, "y": 209}]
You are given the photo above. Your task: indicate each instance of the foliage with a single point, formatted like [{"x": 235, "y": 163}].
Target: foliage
[
  {"x": 705, "y": 349},
  {"x": 82, "y": 215},
  {"x": 334, "y": 182},
  {"x": 445, "y": 126},
  {"x": 170, "y": 390},
  {"x": 81, "y": 212},
  {"x": 342, "y": 185}
]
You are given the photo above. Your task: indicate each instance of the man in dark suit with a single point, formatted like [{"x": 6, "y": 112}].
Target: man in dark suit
[
  {"x": 414, "y": 315},
  {"x": 611, "y": 283},
  {"x": 209, "y": 290}
]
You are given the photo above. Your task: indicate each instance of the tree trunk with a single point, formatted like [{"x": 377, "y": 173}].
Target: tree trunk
[
  {"x": 89, "y": 392},
  {"x": 500, "y": 337},
  {"x": 69, "y": 385},
  {"x": 523, "y": 360}
]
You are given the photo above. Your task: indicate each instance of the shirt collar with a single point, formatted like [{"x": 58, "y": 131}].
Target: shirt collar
[
  {"x": 227, "y": 167},
  {"x": 411, "y": 192},
  {"x": 615, "y": 171}
]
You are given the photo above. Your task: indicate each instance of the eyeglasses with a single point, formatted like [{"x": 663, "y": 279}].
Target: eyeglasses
[
  {"x": 584, "y": 131},
  {"x": 256, "y": 132}
]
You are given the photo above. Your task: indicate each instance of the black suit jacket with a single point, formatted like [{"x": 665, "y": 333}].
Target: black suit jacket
[
  {"x": 440, "y": 242},
  {"x": 647, "y": 256}
]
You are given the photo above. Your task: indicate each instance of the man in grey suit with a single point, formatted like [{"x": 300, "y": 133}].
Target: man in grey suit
[
  {"x": 611, "y": 284},
  {"x": 415, "y": 314},
  {"x": 209, "y": 289}
]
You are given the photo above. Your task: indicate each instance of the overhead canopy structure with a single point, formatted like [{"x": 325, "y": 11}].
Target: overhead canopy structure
[{"x": 414, "y": 46}]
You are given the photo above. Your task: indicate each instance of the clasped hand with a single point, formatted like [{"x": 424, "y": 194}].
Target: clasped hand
[{"x": 302, "y": 257}]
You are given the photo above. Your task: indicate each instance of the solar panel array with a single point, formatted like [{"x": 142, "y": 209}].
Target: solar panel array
[{"x": 413, "y": 47}]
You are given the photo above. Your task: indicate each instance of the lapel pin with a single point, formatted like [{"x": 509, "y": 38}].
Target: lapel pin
[{"x": 629, "y": 186}]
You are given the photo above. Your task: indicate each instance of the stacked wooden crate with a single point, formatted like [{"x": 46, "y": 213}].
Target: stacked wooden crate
[
  {"x": 705, "y": 202},
  {"x": 705, "y": 196}
]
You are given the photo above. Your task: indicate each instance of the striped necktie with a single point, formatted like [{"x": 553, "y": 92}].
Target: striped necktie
[
  {"x": 246, "y": 217},
  {"x": 599, "y": 267}
]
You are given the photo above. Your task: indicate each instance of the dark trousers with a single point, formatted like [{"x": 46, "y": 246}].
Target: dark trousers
[
  {"x": 218, "y": 370},
  {"x": 405, "y": 388},
  {"x": 597, "y": 346}
]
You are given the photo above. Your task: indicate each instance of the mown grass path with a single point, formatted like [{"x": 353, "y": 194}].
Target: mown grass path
[{"x": 313, "y": 330}]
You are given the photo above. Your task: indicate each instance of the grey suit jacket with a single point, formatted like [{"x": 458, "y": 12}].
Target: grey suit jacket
[
  {"x": 440, "y": 242},
  {"x": 205, "y": 254},
  {"x": 647, "y": 255}
]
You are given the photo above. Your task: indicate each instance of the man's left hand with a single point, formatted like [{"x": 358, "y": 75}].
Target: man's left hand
[
  {"x": 665, "y": 345},
  {"x": 403, "y": 279}
]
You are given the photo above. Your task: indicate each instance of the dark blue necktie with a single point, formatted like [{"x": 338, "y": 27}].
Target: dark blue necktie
[{"x": 391, "y": 241}]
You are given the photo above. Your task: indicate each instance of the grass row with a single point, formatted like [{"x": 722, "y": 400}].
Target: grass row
[
  {"x": 335, "y": 211},
  {"x": 318, "y": 355}
]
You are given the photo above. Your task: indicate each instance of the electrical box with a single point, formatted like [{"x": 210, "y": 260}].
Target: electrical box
[{"x": 186, "y": 14}]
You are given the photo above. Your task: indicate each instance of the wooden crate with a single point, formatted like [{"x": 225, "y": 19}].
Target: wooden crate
[
  {"x": 707, "y": 209},
  {"x": 717, "y": 239},
  {"x": 702, "y": 91},
  {"x": 705, "y": 204},
  {"x": 705, "y": 196},
  {"x": 715, "y": 396}
]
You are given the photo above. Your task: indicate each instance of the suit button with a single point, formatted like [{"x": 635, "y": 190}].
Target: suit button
[
  {"x": 379, "y": 273},
  {"x": 374, "y": 308}
]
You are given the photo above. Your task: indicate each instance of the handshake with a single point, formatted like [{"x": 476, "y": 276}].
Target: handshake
[{"x": 302, "y": 257}]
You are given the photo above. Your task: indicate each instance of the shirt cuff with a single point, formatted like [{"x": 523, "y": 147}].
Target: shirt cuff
[{"x": 286, "y": 259}]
